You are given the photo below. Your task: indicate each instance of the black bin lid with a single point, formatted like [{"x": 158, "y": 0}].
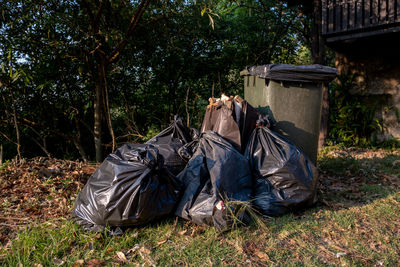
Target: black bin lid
[{"x": 293, "y": 73}]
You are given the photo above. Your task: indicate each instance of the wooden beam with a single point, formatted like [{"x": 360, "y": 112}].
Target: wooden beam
[
  {"x": 382, "y": 11},
  {"x": 391, "y": 10},
  {"x": 324, "y": 17},
  {"x": 356, "y": 35},
  {"x": 367, "y": 14},
  {"x": 352, "y": 15},
  {"x": 331, "y": 13},
  {"x": 338, "y": 16},
  {"x": 346, "y": 13},
  {"x": 358, "y": 14},
  {"x": 375, "y": 12}
]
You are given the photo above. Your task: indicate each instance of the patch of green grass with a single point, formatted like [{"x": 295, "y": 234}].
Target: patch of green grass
[
  {"x": 388, "y": 164},
  {"x": 344, "y": 163},
  {"x": 374, "y": 189},
  {"x": 339, "y": 166},
  {"x": 355, "y": 236},
  {"x": 364, "y": 232}
]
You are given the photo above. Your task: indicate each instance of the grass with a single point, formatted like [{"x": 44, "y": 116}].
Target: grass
[{"x": 356, "y": 223}]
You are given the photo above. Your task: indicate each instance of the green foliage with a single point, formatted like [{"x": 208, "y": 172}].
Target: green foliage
[
  {"x": 181, "y": 53},
  {"x": 303, "y": 55},
  {"x": 351, "y": 121}
]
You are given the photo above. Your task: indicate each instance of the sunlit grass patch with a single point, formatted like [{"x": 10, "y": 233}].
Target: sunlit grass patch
[
  {"x": 368, "y": 234},
  {"x": 355, "y": 223}
]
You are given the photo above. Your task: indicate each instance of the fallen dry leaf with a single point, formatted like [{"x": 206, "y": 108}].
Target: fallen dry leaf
[
  {"x": 58, "y": 262},
  {"x": 183, "y": 232},
  {"x": 162, "y": 242},
  {"x": 149, "y": 260},
  {"x": 38, "y": 190},
  {"x": 95, "y": 263},
  {"x": 145, "y": 250},
  {"x": 261, "y": 255},
  {"x": 122, "y": 256},
  {"x": 78, "y": 263},
  {"x": 133, "y": 250}
]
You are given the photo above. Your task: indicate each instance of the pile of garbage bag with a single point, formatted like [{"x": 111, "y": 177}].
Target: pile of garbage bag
[
  {"x": 217, "y": 173},
  {"x": 236, "y": 161},
  {"x": 136, "y": 184}
]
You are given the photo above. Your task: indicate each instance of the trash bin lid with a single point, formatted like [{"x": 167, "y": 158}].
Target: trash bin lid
[{"x": 293, "y": 73}]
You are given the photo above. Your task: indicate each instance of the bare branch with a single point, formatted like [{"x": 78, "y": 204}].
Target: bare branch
[
  {"x": 132, "y": 27},
  {"x": 8, "y": 138},
  {"x": 96, "y": 20}
]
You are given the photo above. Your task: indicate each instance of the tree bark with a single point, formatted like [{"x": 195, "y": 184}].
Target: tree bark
[
  {"x": 318, "y": 43},
  {"x": 107, "y": 105},
  {"x": 78, "y": 142},
  {"x": 1, "y": 154},
  {"x": 79, "y": 147},
  {"x": 324, "y": 127},
  {"x": 98, "y": 112},
  {"x": 103, "y": 62},
  {"x": 17, "y": 131},
  {"x": 318, "y": 57},
  {"x": 187, "y": 108},
  {"x": 101, "y": 106}
]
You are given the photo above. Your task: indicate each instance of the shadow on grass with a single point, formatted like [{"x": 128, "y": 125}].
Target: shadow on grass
[{"x": 346, "y": 180}]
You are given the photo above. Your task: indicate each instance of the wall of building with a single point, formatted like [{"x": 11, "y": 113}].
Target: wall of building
[{"x": 375, "y": 64}]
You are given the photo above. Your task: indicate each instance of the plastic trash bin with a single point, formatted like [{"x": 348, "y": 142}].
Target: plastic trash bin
[{"x": 291, "y": 95}]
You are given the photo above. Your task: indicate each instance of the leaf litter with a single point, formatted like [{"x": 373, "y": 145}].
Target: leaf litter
[{"x": 38, "y": 190}]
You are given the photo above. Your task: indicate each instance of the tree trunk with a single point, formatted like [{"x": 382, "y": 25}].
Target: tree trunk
[
  {"x": 98, "y": 112},
  {"x": 103, "y": 61},
  {"x": 17, "y": 132},
  {"x": 1, "y": 154},
  {"x": 324, "y": 127},
  {"x": 78, "y": 142},
  {"x": 79, "y": 147},
  {"x": 187, "y": 108},
  {"x": 101, "y": 107},
  {"x": 318, "y": 57},
  {"x": 107, "y": 104},
  {"x": 318, "y": 43}
]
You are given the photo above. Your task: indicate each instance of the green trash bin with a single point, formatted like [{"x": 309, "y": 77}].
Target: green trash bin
[{"x": 292, "y": 97}]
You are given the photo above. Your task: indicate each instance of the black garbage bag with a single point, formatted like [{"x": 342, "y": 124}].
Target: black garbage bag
[
  {"x": 284, "y": 179},
  {"x": 168, "y": 142},
  {"x": 247, "y": 122},
  {"x": 136, "y": 184},
  {"x": 216, "y": 175},
  {"x": 131, "y": 187}
]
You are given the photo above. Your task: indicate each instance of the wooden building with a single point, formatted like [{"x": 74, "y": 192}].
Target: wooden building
[
  {"x": 349, "y": 19},
  {"x": 365, "y": 34}
]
